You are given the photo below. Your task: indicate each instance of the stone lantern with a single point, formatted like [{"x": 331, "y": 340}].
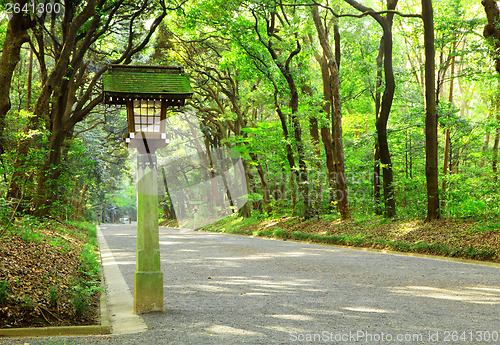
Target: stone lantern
[{"x": 147, "y": 92}]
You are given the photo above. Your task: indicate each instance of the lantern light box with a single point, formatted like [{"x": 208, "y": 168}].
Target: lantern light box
[{"x": 147, "y": 91}]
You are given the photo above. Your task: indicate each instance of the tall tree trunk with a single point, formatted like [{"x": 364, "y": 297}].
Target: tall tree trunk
[
  {"x": 48, "y": 184},
  {"x": 385, "y": 109},
  {"x": 431, "y": 138},
  {"x": 377, "y": 195},
  {"x": 326, "y": 136},
  {"x": 30, "y": 81},
  {"x": 303, "y": 182},
  {"x": 486, "y": 142},
  {"x": 341, "y": 191},
  {"x": 492, "y": 33},
  {"x": 494, "y": 162},
  {"x": 492, "y": 29},
  {"x": 496, "y": 109},
  {"x": 284, "y": 68},
  {"x": 15, "y": 37},
  {"x": 386, "y": 103},
  {"x": 47, "y": 189},
  {"x": 315, "y": 180},
  {"x": 447, "y": 136},
  {"x": 294, "y": 179}
]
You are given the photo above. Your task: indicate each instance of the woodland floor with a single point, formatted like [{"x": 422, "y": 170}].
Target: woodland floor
[
  {"x": 41, "y": 277},
  {"x": 477, "y": 239}
]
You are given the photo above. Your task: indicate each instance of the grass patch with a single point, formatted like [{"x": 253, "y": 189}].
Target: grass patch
[
  {"x": 263, "y": 233},
  {"x": 473, "y": 239}
]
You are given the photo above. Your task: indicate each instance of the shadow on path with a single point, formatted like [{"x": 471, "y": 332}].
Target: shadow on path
[{"x": 227, "y": 289}]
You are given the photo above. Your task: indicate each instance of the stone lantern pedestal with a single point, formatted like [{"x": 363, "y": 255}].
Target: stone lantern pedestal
[{"x": 148, "y": 278}]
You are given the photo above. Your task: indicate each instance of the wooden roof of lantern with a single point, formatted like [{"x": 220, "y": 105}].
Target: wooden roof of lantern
[{"x": 122, "y": 82}]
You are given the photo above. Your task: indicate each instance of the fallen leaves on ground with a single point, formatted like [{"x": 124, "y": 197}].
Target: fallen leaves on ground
[
  {"x": 456, "y": 234},
  {"x": 37, "y": 280}
]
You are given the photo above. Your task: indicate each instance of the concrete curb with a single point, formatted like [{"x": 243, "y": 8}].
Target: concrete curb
[{"x": 120, "y": 300}]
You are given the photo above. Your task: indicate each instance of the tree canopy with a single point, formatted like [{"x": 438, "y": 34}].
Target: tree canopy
[{"x": 336, "y": 108}]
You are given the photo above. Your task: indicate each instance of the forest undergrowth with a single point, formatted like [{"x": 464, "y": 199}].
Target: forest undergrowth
[
  {"x": 470, "y": 238},
  {"x": 49, "y": 274}
]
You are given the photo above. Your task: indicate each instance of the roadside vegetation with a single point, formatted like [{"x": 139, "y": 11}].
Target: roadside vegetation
[
  {"x": 476, "y": 238},
  {"x": 49, "y": 274},
  {"x": 347, "y": 131}
]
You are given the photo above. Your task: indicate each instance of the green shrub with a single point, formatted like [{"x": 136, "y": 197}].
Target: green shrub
[
  {"x": 3, "y": 293},
  {"x": 27, "y": 303},
  {"x": 89, "y": 265},
  {"x": 281, "y": 233},
  {"x": 263, "y": 233},
  {"x": 53, "y": 295}
]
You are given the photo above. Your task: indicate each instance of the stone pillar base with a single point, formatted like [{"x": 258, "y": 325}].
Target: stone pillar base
[{"x": 148, "y": 291}]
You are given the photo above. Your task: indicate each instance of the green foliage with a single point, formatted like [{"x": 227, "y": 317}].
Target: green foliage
[
  {"x": 28, "y": 229},
  {"x": 263, "y": 233},
  {"x": 63, "y": 245},
  {"x": 81, "y": 298},
  {"x": 281, "y": 233},
  {"x": 27, "y": 303},
  {"x": 89, "y": 264},
  {"x": 234, "y": 79},
  {"x": 88, "y": 284},
  {"x": 53, "y": 295},
  {"x": 3, "y": 292}
]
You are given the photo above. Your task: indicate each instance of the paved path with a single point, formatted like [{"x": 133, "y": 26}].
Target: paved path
[{"x": 227, "y": 289}]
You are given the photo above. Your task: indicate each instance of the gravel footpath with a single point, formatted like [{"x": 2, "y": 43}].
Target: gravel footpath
[{"x": 227, "y": 289}]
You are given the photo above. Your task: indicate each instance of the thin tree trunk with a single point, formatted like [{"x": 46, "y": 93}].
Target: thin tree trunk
[
  {"x": 495, "y": 155},
  {"x": 30, "y": 78},
  {"x": 246, "y": 211},
  {"x": 386, "y": 103},
  {"x": 431, "y": 138},
  {"x": 496, "y": 107},
  {"x": 314, "y": 179},
  {"x": 406, "y": 154},
  {"x": 326, "y": 136},
  {"x": 492, "y": 33},
  {"x": 265, "y": 187},
  {"x": 169, "y": 211},
  {"x": 300, "y": 175},
  {"x": 377, "y": 196},
  {"x": 447, "y": 136},
  {"x": 342, "y": 193},
  {"x": 294, "y": 178},
  {"x": 385, "y": 109},
  {"x": 486, "y": 143}
]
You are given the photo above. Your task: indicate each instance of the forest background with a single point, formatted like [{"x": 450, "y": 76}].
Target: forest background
[{"x": 344, "y": 112}]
